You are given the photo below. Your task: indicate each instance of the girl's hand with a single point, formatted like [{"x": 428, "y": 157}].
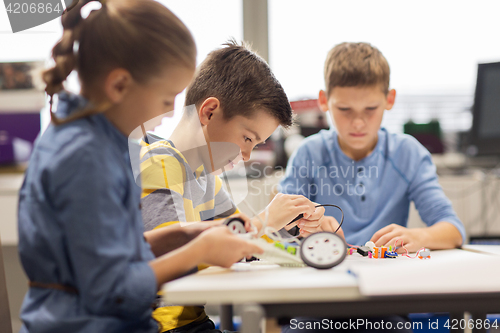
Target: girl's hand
[
  {"x": 413, "y": 239},
  {"x": 285, "y": 207},
  {"x": 328, "y": 223},
  {"x": 219, "y": 247}
]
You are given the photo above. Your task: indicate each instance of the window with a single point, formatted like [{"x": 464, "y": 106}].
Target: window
[
  {"x": 433, "y": 48},
  {"x": 211, "y": 23}
]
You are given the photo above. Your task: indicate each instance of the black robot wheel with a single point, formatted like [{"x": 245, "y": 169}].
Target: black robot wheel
[{"x": 236, "y": 225}]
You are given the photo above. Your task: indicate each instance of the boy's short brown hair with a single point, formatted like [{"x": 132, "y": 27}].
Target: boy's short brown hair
[
  {"x": 356, "y": 64},
  {"x": 243, "y": 83}
]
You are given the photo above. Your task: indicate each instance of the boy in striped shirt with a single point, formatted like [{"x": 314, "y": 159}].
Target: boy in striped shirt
[{"x": 233, "y": 104}]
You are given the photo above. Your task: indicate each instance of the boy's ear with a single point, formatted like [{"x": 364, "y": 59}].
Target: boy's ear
[
  {"x": 207, "y": 109},
  {"x": 391, "y": 98},
  {"x": 116, "y": 84},
  {"x": 323, "y": 101}
]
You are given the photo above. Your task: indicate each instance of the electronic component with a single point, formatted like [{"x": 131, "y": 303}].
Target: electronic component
[
  {"x": 424, "y": 254},
  {"x": 379, "y": 252},
  {"x": 370, "y": 245},
  {"x": 390, "y": 254},
  {"x": 371, "y": 251},
  {"x": 363, "y": 250}
]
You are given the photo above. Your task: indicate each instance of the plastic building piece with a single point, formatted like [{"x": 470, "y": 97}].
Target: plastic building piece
[
  {"x": 275, "y": 255},
  {"x": 279, "y": 245}
]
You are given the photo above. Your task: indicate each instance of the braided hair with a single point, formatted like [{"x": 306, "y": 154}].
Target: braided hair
[{"x": 140, "y": 36}]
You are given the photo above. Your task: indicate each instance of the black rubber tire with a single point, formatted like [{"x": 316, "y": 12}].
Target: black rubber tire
[{"x": 236, "y": 225}]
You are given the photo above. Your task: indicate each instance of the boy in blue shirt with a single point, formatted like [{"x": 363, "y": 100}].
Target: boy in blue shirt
[{"x": 372, "y": 174}]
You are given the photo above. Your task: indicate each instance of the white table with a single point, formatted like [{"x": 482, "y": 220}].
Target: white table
[{"x": 453, "y": 281}]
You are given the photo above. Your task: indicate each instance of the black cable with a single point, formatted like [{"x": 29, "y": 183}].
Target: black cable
[{"x": 341, "y": 220}]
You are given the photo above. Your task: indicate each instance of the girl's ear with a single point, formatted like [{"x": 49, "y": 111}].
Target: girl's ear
[
  {"x": 323, "y": 101},
  {"x": 207, "y": 109},
  {"x": 116, "y": 84},
  {"x": 391, "y": 98}
]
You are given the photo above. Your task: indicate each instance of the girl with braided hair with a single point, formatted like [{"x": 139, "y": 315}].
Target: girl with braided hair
[{"x": 81, "y": 242}]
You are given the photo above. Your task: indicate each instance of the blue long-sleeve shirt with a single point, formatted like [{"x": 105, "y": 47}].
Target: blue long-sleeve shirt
[
  {"x": 373, "y": 192},
  {"x": 80, "y": 225}
]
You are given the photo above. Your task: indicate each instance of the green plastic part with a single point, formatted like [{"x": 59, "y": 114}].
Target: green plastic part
[{"x": 279, "y": 246}]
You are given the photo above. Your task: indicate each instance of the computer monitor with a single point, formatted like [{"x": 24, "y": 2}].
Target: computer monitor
[{"x": 485, "y": 133}]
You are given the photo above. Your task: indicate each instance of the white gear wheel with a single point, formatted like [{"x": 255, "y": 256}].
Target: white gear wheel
[{"x": 323, "y": 250}]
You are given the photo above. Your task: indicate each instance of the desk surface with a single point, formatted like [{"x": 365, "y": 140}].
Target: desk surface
[
  {"x": 357, "y": 278},
  {"x": 261, "y": 284},
  {"x": 447, "y": 272},
  {"x": 491, "y": 249}
]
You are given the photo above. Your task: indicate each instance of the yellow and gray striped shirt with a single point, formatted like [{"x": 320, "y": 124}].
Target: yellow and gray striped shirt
[{"x": 172, "y": 193}]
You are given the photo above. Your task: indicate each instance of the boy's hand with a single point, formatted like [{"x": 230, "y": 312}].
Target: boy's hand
[
  {"x": 285, "y": 207},
  {"x": 219, "y": 247},
  {"x": 328, "y": 223},
  {"x": 413, "y": 239},
  {"x": 313, "y": 221}
]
